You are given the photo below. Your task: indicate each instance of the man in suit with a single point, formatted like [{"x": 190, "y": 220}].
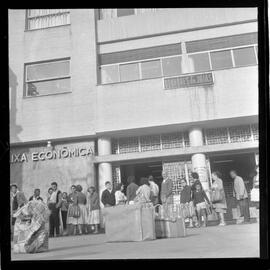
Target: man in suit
[
  {"x": 17, "y": 200},
  {"x": 107, "y": 197},
  {"x": 166, "y": 193},
  {"x": 55, "y": 199},
  {"x": 241, "y": 195}
]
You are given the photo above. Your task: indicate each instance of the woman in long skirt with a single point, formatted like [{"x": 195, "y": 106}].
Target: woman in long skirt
[
  {"x": 93, "y": 208},
  {"x": 221, "y": 206},
  {"x": 80, "y": 200},
  {"x": 71, "y": 221}
]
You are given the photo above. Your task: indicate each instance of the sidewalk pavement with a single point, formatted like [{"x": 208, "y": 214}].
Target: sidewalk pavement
[{"x": 230, "y": 241}]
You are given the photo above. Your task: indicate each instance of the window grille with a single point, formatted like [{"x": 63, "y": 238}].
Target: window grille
[
  {"x": 114, "y": 146},
  {"x": 43, "y": 18},
  {"x": 150, "y": 143},
  {"x": 128, "y": 145},
  {"x": 176, "y": 172},
  {"x": 186, "y": 139},
  {"x": 240, "y": 134},
  {"x": 116, "y": 175},
  {"x": 172, "y": 140},
  {"x": 216, "y": 136},
  {"x": 255, "y": 131}
]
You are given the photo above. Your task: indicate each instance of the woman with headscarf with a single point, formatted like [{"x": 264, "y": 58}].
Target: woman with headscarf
[{"x": 31, "y": 231}]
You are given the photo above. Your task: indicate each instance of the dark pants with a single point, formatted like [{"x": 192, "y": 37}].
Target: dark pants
[
  {"x": 244, "y": 209},
  {"x": 64, "y": 219},
  {"x": 54, "y": 220}
]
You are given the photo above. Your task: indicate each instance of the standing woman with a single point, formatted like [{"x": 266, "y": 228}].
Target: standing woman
[
  {"x": 120, "y": 197},
  {"x": 71, "y": 221},
  {"x": 219, "y": 206},
  {"x": 143, "y": 192},
  {"x": 93, "y": 208},
  {"x": 64, "y": 210},
  {"x": 80, "y": 200}
]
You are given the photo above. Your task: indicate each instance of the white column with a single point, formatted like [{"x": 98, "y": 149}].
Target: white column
[
  {"x": 198, "y": 159},
  {"x": 104, "y": 169}
]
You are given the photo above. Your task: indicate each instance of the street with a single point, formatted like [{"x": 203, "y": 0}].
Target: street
[{"x": 209, "y": 242}]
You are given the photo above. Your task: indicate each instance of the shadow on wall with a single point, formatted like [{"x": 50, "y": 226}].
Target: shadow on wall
[{"x": 15, "y": 129}]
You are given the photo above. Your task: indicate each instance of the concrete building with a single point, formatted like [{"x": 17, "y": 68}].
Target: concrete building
[{"x": 99, "y": 95}]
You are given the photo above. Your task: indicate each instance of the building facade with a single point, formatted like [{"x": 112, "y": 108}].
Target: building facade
[{"x": 97, "y": 95}]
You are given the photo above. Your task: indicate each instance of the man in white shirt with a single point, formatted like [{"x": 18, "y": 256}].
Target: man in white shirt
[
  {"x": 241, "y": 195},
  {"x": 154, "y": 190}
]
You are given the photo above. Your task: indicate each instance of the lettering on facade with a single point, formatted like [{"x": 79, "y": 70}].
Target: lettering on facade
[
  {"x": 52, "y": 154},
  {"x": 189, "y": 81}
]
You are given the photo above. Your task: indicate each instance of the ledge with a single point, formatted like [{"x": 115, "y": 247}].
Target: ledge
[{"x": 160, "y": 154}]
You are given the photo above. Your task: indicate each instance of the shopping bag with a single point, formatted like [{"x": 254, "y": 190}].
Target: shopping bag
[
  {"x": 185, "y": 210},
  {"x": 208, "y": 209},
  {"x": 129, "y": 223},
  {"x": 216, "y": 196},
  {"x": 170, "y": 228},
  {"x": 191, "y": 209}
]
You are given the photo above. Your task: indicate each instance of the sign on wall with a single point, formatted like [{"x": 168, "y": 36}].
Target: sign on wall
[
  {"x": 188, "y": 81},
  {"x": 52, "y": 154}
]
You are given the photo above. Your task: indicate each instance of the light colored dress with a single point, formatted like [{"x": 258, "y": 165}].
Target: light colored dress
[
  {"x": 222, "y": 205},
  {"x": 120, "y": 197},
  {"x": 143, "y": 194}
]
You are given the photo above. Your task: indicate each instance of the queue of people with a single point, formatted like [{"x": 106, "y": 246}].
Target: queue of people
[{"x": 79, "y": 212}]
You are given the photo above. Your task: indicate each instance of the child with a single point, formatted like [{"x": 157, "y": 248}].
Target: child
[
  {"x": 199, "y": 198},
  {"x": 187, "y": 203}
]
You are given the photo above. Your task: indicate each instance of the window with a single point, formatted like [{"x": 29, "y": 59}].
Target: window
[
  {"x": 199, "y": 62},
  {"x": 43, "y": 18},
  {"x": 244, "y": 56},
  {"x": 151, "y": 69},
  {"x": 125, "y": 12},
  {"x": 221, "y": 59},
  {"x": 172, "y": 66},
  {"x": 47, "y": 78},
  {"x": 129, "y": 72},
  {"x": 109, "y": 74}
]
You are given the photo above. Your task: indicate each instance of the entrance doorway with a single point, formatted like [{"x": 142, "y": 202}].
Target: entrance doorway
[
  {"x": 244, "y": 164},
  {"x": 142, "y": 170}
]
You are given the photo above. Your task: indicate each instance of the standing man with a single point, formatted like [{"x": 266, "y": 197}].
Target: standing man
[
  {"x": 36, "y": 195},
  {"x": 17, "y": 200},
  {"x": 55, "y": 203},
  {"x": 166, "y": 193},
  {"x": 108, "y": 197},
  {"x": 154, "y": 190},
  {"x": 241, "y": 195}
]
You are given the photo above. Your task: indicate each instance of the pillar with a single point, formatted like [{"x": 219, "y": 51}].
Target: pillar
[
  {"x": 104, "y": 169},
  {"x": 198, "y": 159}
]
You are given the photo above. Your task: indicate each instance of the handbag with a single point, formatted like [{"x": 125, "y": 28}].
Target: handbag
[
  {"x": 217, "y": 196},
  {"x": 74, "y": 211}
]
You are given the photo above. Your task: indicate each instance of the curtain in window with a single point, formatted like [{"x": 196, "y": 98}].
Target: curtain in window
[{"x": 42, "y": 18}]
